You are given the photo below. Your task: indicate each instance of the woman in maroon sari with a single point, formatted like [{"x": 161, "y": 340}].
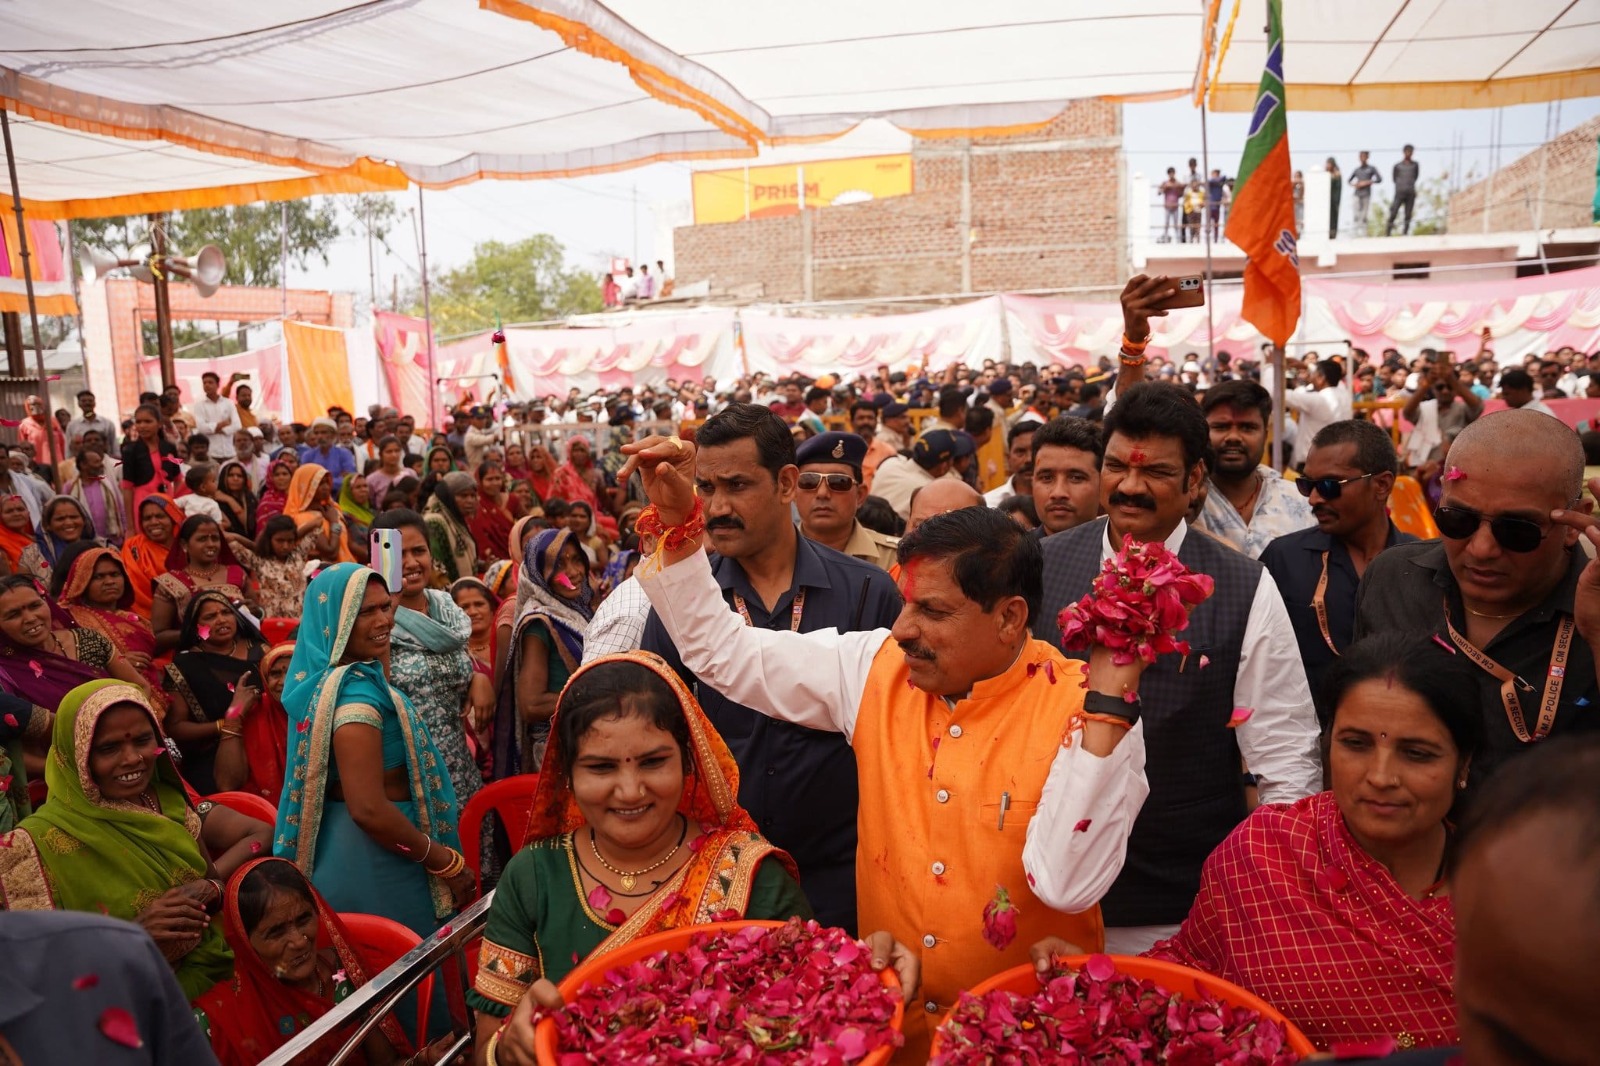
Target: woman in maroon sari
[
  {"x": 276, "y": 492},
  {"x": 92, "y": 585},
  {"x": 491, "y": 526}
]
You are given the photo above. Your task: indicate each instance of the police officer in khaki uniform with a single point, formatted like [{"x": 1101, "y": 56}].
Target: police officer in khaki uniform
[{"x": 830, "y": 490}]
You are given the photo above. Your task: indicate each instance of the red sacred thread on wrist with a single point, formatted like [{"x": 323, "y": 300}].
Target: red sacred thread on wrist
[{"x": 674, "y": 537}]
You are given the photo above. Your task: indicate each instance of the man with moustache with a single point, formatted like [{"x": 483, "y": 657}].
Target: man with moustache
[
  {"x": 1350, "y": 472},
  {"x": 798, "y": 784},
  {"x": 1505, "y": 584},
  {"x": 1242, "y": 655},
  {"x": 1248, "y": 504},
  {"x": 1066, "y": 473},
  {"x": 957, "y": 721},
  {"x": 828, "y": 492}
]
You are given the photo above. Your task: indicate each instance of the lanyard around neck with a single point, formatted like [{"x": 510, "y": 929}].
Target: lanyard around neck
[
  {"x": 794, "y": 612},
  {"x": 1510, "y": 683}
]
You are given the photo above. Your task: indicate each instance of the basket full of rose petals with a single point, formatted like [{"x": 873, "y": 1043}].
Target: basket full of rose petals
[
  {"x": 1136, "y": 605},
  {"x": 1104, "y": 1009},
  {"x": 746, "y": 991}
]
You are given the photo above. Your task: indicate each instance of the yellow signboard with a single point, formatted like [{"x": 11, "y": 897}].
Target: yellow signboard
[{"x": 763, "y": 192}]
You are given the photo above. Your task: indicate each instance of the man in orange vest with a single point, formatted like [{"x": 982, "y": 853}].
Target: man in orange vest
[{"x": 979, "y": 791}]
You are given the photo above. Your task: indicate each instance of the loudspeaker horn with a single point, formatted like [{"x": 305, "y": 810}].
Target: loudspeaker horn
[
  {"x": 204, "y": 269},
  {"x": 97, "y": 262}
]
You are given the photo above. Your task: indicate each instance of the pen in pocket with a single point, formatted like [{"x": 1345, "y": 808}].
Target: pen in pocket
[{"x": 1005, "y": 805}]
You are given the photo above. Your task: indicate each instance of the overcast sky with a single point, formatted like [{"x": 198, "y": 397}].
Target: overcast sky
[{"x": 630, "y": 213}]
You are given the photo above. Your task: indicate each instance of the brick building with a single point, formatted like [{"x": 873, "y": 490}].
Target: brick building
[
  {"x": 1031, "y": 211},
  {"x": 1552, "y": 187}
]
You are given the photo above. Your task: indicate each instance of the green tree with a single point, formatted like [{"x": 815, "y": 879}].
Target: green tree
[
  {"x": 250, "y": 235},
  {"x": 525, "y": 281}
]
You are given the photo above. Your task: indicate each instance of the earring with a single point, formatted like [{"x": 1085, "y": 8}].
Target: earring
[{"x": 1462, "y": 782}]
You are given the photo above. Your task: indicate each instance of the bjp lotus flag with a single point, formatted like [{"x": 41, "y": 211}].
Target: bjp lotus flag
[{"x": 1261, "y": 222}]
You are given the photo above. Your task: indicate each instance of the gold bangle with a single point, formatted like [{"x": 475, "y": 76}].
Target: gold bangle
[{"x": 489, "y": 1049}]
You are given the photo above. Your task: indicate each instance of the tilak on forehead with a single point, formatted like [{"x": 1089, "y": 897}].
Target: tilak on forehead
[
  {"x": 908, "y": 579},
  {"x": 1136, "y": 456}
]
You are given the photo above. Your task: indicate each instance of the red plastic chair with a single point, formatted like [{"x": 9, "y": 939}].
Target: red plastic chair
[
  {"x": 512, "y": 800},
  {"x": 248, "y": 804},
  {"x": 380, "y": 941}
]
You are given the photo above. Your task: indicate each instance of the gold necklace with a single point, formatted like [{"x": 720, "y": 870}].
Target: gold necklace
[
  {"x": 1499, "y": 617},
  {"x": 627, "y": 879},
  {"x": 149, "y": 802}
]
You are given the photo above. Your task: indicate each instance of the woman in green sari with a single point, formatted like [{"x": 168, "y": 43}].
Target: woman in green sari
[
  {"x": 119, "y": 835},
  {"x": 682, "y": 851}
]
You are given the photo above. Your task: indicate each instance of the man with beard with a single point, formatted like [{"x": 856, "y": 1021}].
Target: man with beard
[
  {"x": 1350, "y": 472},
  {"x": 1066, "y": 473},
  {"x": 1248, "y": 504},
  {"x": 798, "y": 784},
  {"x": 1243, "y": 655}
]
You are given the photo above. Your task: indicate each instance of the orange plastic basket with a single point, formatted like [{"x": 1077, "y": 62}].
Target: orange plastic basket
[
  {"x": 593, "y": 970},
  {"x": 1024, "y": 980}
]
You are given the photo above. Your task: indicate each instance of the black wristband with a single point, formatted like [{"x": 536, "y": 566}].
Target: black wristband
[{"x": 1115, "y": 706}]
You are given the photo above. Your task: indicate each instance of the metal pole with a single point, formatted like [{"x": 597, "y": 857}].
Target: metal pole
[
  {"x": 283, "y": 257},
  {"x": 427, "y": 309},
  {"x": 1205, "y": 224},
  {"x": 158, "y": 254},
  {"x": 33, "y": 306}
]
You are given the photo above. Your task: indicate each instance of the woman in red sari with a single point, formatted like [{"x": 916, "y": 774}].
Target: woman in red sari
[
  {"x": 491, "y": 526},
  {"x": 579, "y": 478},
  {"x": 266, "y": 727},
  {"x": 276, "y": 493},
  {"x": 144, "y": 554},
  {"x": 293, "y": 963},
  {"x": 1334, "y": 909},
  {"x": 16, "y": 531},
  {"x": 92, "y": 584}
]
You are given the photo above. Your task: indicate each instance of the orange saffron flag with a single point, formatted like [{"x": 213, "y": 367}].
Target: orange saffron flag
[{"x": 1261, "y": 222}]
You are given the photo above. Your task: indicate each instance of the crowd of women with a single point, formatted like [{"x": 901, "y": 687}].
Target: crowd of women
[{"x": 145, "y": 683}]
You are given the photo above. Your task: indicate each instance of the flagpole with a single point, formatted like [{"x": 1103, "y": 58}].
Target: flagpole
[{"x": 1205, "y": 224}]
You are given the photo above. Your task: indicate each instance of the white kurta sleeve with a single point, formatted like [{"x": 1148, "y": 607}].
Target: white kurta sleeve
[
  {"x": 811, "y": 679},
  {"x": 1279, "y": 740},
  {"x": 1071, "y": 868}
]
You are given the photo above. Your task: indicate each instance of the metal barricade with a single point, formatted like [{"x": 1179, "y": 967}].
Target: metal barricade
[{"x": 376, "y": 999}]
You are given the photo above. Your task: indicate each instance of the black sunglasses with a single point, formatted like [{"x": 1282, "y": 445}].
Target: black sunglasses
[
  {"x": 1329, "y": 488},
  {"x": 836, "y": 482},
  {"x": 1512, "y": 534}
]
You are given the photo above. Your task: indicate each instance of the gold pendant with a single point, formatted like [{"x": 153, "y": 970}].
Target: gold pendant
[{"x": 628, "y": 881}]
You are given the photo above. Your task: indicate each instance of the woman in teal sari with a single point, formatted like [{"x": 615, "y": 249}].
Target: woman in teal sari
[
  {"x": 119, "y": 835},
  {"x": 368, "y": 812}
]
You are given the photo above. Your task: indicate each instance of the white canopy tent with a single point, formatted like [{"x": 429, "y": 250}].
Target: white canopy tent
[{"x": 197, "y": 102}]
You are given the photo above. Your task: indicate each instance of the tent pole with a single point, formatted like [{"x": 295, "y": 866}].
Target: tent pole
[
  {"x": 33, "y": 307},
  {"x": 427, "y": 310}
]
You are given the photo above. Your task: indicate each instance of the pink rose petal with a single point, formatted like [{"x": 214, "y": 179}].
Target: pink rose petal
[
  {"x": 1100, "y": 967},
  {"x": 1455, "y": 473},
  {"x": 203, "y": 631},
  {"x": 599, "y": 899},
  {"x": 11, "y": 720},
  {"x": 118, "y": 1026},
  {"x": 38, "y": 670},
  {"x": 1445, "y": 644},
  {"x": 1083, "y": 825},
  {"x": 1240, "y": 716},
  {"x": 86, "y": 982}
]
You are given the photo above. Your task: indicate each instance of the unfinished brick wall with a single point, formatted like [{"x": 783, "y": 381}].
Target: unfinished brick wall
[
  {"x": 1519, "y": 198},
  {"x": 1044, "y": 212}
]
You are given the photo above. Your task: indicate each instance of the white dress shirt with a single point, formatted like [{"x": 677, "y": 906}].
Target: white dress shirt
[
  {"x": 618, "y": 623},
  {"x": 1007, "y": 489},
  {"x": 759, "y": 668},
  {"x": 1317, "y": 408},
  {"x": 218, "y": 419},
  {"x": 1279, "y": 740}
]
